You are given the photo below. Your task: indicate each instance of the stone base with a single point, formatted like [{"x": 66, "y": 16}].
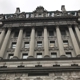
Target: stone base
[
  {"x": 30, "y": 57},
  {"x": 46, "y": 56},
  {"x": 78, "y": 55},
  {"x": 63, "y": 56},
  {"x": 15, "y": 57}
]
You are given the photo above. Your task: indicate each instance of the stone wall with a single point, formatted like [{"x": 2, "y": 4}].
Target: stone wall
[{"x": 51, "y": 76}]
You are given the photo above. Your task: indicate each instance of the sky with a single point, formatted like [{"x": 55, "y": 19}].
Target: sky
[{"x": 9, "y": 6}]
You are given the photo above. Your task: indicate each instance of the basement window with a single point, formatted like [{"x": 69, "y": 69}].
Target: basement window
[
  {"x": 10, "y": 56},
  {"x": 39, "y": 55},
  {"x": 13, "y": 45},
  {"x": 68, "y": 54},
  {"x": 25, "y": 55},
  {"x": 53, "y": 54}
]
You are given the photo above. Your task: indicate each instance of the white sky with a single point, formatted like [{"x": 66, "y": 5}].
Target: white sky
[{"x": 9, "y": 6}]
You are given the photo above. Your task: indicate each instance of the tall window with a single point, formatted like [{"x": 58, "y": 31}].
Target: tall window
[
  {"x": 52, "y": 43},
  {"x": 53, "y": 55},
  {"x": 26, "y": 44},
  {"x": 51, "y": 33},
  {"x": 24, "y": 55},
  {"x": 13, "y": 45},
  {"x": 28, "y": 34},
  {"x": 39, "y": 33},
  {"x": 63, "y": 32},
  {"x": 68, "y": 54},
  {"x": 16, "y": 34},
  {"x": 39, "y": 44},
  {"x": 65, "y": 43},
  {"x": 10, "y": 56},
  {"x": 39, "y": 55}
]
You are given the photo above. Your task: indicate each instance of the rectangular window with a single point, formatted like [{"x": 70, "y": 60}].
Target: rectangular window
[
  {"x": 63, "y": 32},
  {"x": 39, "y": 55},
  {"x": 16, "y": 34},
  {"x": 51, "y": 33},
  {"x": 39, "y": 44},
  {"x": 25, "y": 56},
  {"x": 13, "y": 45},
  {"x": 52, "y": 43},
  {"x": 68, "y": 54},
  {"x": 26, "y": 44},
  {"x": 53, "y": 55},
  {"x": 39, "y": 33},
  {"x": 10, "y": 56},
  {"x": 65, "y": 43},
  {"x": 28, "y": 34}
]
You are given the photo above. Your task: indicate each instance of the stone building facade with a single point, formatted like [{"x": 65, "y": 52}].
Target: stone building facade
[{"x": 40, "y": 45}]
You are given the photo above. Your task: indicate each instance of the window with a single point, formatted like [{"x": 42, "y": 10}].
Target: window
[
  {"x": 68, "y": 54},
  {"x": 10, "y": 56},
  {"x": 51, "y": 33},
  {"x": 28, "y": 34},
  {"x": 13, "y": 45},
  {"x": 39, "y": 55},
  {"x": 39, "y": 33},
  {"x": 26, "y": 44},
  {"x": 52, "y": 43},
  {"x": 65, "y": 43},
  {"x": 53, "y": 55},
  {"x": 39, "y": 44},
  {"x": 16, "y": 34},
  {"x": 63, "y": 32},
  {"x": 25, "y": 56}
]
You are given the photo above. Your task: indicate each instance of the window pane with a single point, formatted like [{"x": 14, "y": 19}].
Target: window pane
[
  {"x": 16, "y": 34},
  {"x": 39, "y": 55},
  {"x": 53, "y": 54},
  {"x": 13, "y": 45},
  {"x": 39, "y": 43},
  {"x": 26, "y": 44},
  {"x": 51, "y": 33},
  {"x": 10, "y": 56},
  {"x": 68, "y": 54},
  {"x": 63, "y": 32},
  {"x": 39, "y": 33},
  {"x": 25, "y": 56},
  {"x": 52, "y": 43},
  {"x": 28, "y": 34},
  {"x": 65, "y": 43}
]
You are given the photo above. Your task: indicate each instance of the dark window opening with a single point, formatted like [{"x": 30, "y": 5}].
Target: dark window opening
[
  {"x": 24, "y": 55},
  {"x": 39, "y": 44},
  {"x": 39, "y": 55},
  {"x": 53, "y": 55},
  {"x": 10, "y": 56},
  {"x": 68, "y": 54}
]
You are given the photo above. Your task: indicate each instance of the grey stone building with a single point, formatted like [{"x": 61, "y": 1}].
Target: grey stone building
[{"x": 40, "y": 45}]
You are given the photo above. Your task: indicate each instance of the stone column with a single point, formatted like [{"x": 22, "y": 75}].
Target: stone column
[
  {"x": 5, "y": 42},
  {"x": 46, "y": 47},
  {"x": 60, "y": 42},
  {"x": 74, "y": 41},
  {"x": 2, "y": 37},
  {"x": 77, "y": 33},
  {"x": 32, "y": 41},
  {"x": 18, "y": 45}
]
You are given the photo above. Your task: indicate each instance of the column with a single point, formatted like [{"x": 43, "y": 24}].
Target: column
[
  {"x": 5, "y": 42},
  {"x": 32, "y": 41},
  {"x": 60, "y": 42},
  {"x": 2, "y": 37},
  {"x": 74, "y": 41},
  {"x": 46, "y": 47},
  {"x": 18, "y": 45},
  {"x": 77, "y": 33}
]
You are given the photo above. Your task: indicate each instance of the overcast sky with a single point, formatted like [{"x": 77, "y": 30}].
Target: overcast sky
[{"x": 9, "y": 6}]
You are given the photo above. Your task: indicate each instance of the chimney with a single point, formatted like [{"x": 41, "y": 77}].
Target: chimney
[
  {"x": 63, "y": 8},
  {"x": 17, "y": 10}
]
